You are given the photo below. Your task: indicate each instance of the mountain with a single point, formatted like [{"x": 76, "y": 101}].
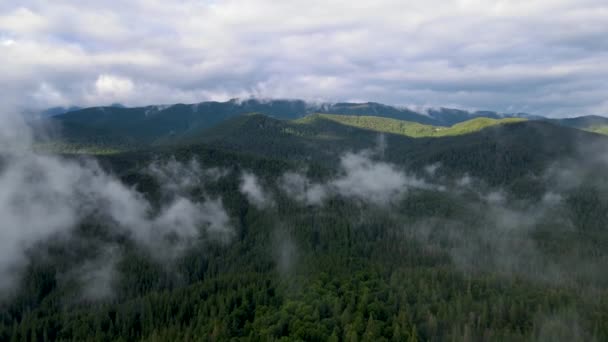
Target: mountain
[
  {"x": 32, "y": 115},
  {"x": 140, "y": 126},
  {"x": 119, "y": 128},
  {"x": 591, "y": 123},
  {"x": 58, "y": 111},
  {"x": 375, "y": 109},
  {"x": 502, "y": 151},
  {"x": 411, "y": 129},
  {"x": 274, "y": 221},
  {"x": 449, "y": 116},
  {"x": 155, "y": 124},
  {"x": 178, "y": 125}
]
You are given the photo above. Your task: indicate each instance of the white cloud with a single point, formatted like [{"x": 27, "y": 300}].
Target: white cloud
[
  {"x": 23, "y": 20},
  {"x": 7, "y": 42},
  {"x": 302, "y": 189},
  {"x": 502, "y": 55},
  {"x": 48, "y": 96},
  {"x": 113, "y": 87},
  {"x": 361, "y": 178},
  {"x": 44, "y": 196},
  {"x": 373, "y": 181},
  {"x": 251, "y": 188}
]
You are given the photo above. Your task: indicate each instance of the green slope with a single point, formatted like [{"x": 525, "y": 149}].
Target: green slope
[
  {"x": 497, "y": 153},
  {"x": 589, "y": 123},
  {"x": 352, "y": 271},
  {"x": 261, "y": 135},
  {"x": 600, "y": 129},
  {"x": 430, "y": 268},
  {"x": 157, "y": 125},
  {"x": 119, "y": 128},
  {"x": 377, "y": 109},
  {"x": 407, "y": 128}
]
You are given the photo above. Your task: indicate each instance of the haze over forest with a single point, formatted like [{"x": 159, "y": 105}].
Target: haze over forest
[{"x": 307, "y": 171}]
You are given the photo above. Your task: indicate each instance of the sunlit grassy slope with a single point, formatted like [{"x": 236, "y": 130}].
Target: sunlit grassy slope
[
  {"x": 600, "y": 129},
  {"x": 76, "y": 148},
  {"x": 407, "y": 128},
  {"x": 589, "y": 123}
]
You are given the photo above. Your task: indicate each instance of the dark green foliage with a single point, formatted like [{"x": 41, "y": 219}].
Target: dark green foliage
[
  {"x": 423, "y": 269},
  {"x": 105, "y": 129},
  {"x": 591, "y": 123},
  {"x": 378, "y": 109}
]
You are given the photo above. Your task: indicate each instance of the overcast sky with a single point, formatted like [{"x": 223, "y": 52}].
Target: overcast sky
[{"x": 545, "y": 57}]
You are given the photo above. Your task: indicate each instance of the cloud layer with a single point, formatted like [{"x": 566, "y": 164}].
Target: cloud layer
[{"x": 543, "y": 56}]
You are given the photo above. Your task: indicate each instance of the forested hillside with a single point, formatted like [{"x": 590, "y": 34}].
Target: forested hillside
[
  {"x": 327, "y": 228},
  {"x": 341, "y": 171},
  {"x": 102, "y": 130}
]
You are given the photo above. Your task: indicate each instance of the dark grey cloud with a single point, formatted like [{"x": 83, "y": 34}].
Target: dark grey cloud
[{"x": 543, "y": 56}]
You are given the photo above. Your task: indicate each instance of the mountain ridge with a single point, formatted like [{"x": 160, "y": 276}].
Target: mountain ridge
[
  {"x": 295, "y": 108},
  {"x": 128, "y": 128}
]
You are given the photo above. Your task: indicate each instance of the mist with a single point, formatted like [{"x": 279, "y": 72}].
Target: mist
[
  {"x": 498, "y": 231},
  {"x": 299, "y": 170},
  {"x": 46, "y": 196},
  {"x": 362, "y": 176},
  {"x": 252, "y": 189}
]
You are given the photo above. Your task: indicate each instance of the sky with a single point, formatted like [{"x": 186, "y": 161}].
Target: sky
[{"x": 547, "y": 57}]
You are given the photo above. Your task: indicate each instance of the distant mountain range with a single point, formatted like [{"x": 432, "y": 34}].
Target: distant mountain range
[
  {"x": 117, "y": 125},
  {"x": 337, "y": 222},
  {"x": 293, "y": 109}
]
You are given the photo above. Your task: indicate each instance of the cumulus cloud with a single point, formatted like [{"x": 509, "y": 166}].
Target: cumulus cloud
[
  {"x": 544, "y": 57},
  {"x": 112, "y": 87},
  {"x": 7, "y": 42}
]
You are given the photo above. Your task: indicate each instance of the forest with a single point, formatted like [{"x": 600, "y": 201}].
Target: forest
[{"x": 342, "y": 228}]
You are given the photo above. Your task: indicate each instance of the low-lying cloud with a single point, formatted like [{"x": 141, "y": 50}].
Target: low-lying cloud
[
  {"x": 373, "y": 181},
  {"x": 300, "y": 188},
  {"x": 360, "y": 177},
  {"x": 182, "y": 177},
  {"x": 44, "y": 196},
  {"x": 251, "y": 188},
  {"x": 479, "y": 227}
]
